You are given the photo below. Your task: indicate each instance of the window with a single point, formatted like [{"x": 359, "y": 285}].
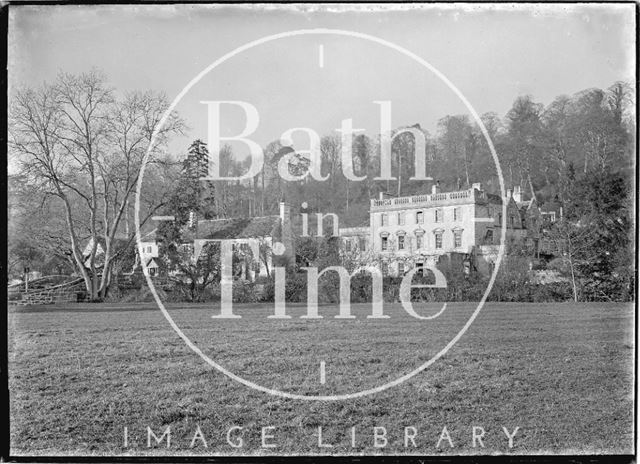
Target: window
[
  {"x": 438, "y": 215},
  {"x": 385, "y": 243},
  {"x": 152, "y": 271},
  {"x": 385, "y": 268},
  {"x": 401, "y": 242},
  {"x": 400, "y": 219},
  {"x": 384, "y": 219},
  {"x": 148, "y": 249},
  {"x": 400, "y": 268},
  {"x": 419, "y": 217},
  {"x": 457, "y": 214},
  {"x": 512, "y": 220},
  {"x": 438, "y": 239},
  {"x": 550, "y": 216},
  {"x": 488, "y": 237},
  {"x": 419, "y": 241},
  {"x": 457, "y": 238},
  {"x": 347, "y": 244},
  {"x": 466, "y": 267},
  {"x": 363, "y": 244},
  {"x": 420, "y": 268},
  {"x": 500, "y": 218}
]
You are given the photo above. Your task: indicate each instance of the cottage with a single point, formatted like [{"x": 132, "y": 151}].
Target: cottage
[
  {"x": 260, "y": 233},
  {"x": 118, "y": 244}
]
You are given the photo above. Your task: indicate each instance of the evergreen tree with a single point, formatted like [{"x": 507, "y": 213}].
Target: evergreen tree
[{"x": 190, "y": 201}]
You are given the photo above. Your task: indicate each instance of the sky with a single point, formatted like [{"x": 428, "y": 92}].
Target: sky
[{"x": 491, "y": 54}]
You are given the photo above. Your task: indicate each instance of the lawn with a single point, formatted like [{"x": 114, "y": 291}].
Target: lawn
[{"x": 562, "y": 373}]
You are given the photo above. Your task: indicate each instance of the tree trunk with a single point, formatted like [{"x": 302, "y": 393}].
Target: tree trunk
[
  {"x": 586, "y": 161},
  {"x": 573, "y": 275},
  {"x": 399, "y": 173},
  {"x": 466, "y": 168},
  {"x": 262, "y": 194},
  {"x": 530, "y": 182},
  {"x": 126, "y": 218},
  {"x": 105, "y": 282},
  {"x": 77, "y": 254},
  {"x": 347, "y": 211},
  {"x": 573, "y": 281}
]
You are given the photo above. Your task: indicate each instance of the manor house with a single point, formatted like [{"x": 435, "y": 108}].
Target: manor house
[{"x": 417, "y": 231}]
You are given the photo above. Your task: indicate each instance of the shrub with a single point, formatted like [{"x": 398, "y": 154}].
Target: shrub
[
  {"x": 391, "y": 289},
  {"x": 295, "y": 288},
  {"x": 361, "y": 288},
  {"x": 244, "y": 291},
  {"x": 138, "y": 295},
  {"x": 548, "y": 293}
]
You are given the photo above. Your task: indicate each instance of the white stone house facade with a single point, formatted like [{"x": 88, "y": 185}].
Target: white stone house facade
[{"x": 415, "y": 231}]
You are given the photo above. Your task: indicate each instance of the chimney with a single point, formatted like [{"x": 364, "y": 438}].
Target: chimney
[
  {"x": 435, "y": 188},
  {"x": 381, "y": 196},
  {"x": 285, "y": 212},
  {"x": 477, "y": 186},
  {"x": 286, "y": 235},
  {"x": 517, "y": 193}
]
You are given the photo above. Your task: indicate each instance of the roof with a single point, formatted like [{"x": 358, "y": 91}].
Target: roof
[
  {"x": 352, "y": 231},
  {"x": 527, "y": 207},
  {"x": 524, "y": 204},
  {"x": 493, "y": 198},
  {"x": 551, "y": 206},
  {"x": 220, "y": 229},
  {"x": 150, "y": 236},
  {"x": 117, "y": 244}
]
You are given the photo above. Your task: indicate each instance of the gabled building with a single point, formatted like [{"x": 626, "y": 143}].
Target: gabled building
[
  {"x": 262, "y": 232},
  {"x": 532, "y": 219},
  {"x": 118, "y": 244},
  {"x": 150, "y": 252},
  {"x": 247, "y": 234},
  {"x": 551, "y": 212}
]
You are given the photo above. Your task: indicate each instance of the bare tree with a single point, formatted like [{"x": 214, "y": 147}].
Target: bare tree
[
  {"x": 525, "y": 131},
  {"x": 330, "y": 151},
  {"x": 619, "y": 99},
  {"x": 80, "y": 143},
  {"x": 557, "y": 142},
  {"x": 573, "y": 241},
  {"x": 453, "y": 140}
]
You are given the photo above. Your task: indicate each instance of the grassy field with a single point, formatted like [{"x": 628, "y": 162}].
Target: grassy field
[{"x": 562, "y": 373}]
